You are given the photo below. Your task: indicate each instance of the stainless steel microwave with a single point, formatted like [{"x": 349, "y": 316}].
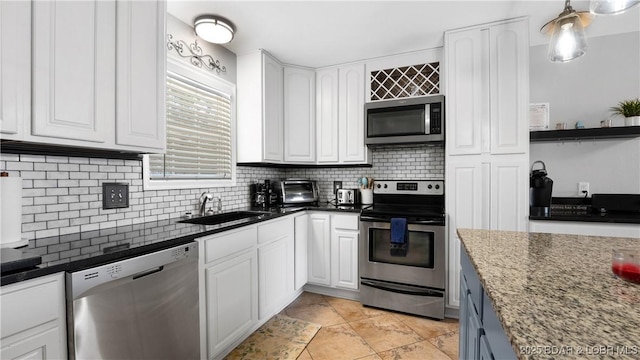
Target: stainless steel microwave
[{"x": 405, "y": 121}]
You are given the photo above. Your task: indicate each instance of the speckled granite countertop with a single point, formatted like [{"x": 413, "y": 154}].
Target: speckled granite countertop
[{"x": 558, "y": 291}]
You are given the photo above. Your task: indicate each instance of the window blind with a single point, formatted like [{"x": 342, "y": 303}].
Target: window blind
[{"x": 198, "y": 133}]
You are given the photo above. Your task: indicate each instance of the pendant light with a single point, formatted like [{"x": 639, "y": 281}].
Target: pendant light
[
  {"x": 214, "y": 29},
  {"x": 568, "y": 41},
  {"x": 611, "y": 7}
]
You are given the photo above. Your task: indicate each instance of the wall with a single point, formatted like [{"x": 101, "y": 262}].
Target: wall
[
  {"x": 585, "y": 89},
  {"x": 409, "y": 162},
  {"x": 63, "y": 194}
]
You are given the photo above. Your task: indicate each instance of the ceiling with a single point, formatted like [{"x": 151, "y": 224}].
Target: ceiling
[{"x": 323, "y": 33}]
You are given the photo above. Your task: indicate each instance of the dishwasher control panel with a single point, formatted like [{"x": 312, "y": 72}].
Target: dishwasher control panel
[{"x": 132, "y": 269}]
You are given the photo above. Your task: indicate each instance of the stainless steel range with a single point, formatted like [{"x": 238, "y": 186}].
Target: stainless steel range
[{"x": 404, "y": 272}]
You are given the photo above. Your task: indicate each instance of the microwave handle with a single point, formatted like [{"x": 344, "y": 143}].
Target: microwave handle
[{"x": 427, "y": 118}]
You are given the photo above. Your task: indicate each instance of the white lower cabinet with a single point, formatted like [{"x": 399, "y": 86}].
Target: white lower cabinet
[
  {"x": 301, "y": 236},
  {"x": 34, "y": 319},
  {"x": 333, "y": 250},
  {"x": 232, "y": 300},
  {"x": 320, "y": 249},
  {"x": 344, "y": 251},
  {"x": 275, "y": 265}
]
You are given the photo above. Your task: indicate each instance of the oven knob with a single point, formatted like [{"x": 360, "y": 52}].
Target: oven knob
[
  {"x": 385, "y": 186},
  {"x": 437, "y": 187},
  {"x": 430, "y": 186},
  {"x": 378, "y": 186}
]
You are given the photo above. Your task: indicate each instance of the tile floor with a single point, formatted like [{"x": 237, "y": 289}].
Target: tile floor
[{"x": 351, "y": 331}]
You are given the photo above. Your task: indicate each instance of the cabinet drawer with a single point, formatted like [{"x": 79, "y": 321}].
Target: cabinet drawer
[
  {"x": 346, "y": 222},
  {"x": 30, "y": 303},
  {"x": 275, "y": 229},
  {"x": 220, "y": 245},
  {"x": 473, "y": 281}
]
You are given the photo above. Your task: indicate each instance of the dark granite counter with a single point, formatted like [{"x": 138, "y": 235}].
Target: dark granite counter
[
  {"x": 588, "y": 216},
  {"x": 83, "y": 250}
]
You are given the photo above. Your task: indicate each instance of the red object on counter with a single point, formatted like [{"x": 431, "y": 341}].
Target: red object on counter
[{"x": 627, "y": 271}]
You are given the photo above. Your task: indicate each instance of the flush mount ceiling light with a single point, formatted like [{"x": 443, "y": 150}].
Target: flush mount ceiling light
[
  {"x": 568, "y": 41},
  {"x": 214, "y": 29},
  {"x": 611, "y": 7}
]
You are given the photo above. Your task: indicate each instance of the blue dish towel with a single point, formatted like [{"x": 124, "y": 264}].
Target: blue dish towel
[{"x": 398, "y": 230}]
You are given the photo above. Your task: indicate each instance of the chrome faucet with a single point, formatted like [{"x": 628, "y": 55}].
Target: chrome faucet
[{"x": 206, "y": 196}]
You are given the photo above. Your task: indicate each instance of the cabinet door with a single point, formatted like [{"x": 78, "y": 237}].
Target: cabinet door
[
  {"x": 464, "y": 318},
  {"x": 467, "y": 91},
  {"x": 351, "y": 114},
  {"x": 299, "y": 115},
  {"x": 141, "y": 74},
  {"x": 15, "y": 70},
  {"x": 74, "y": 69},
  {"x": 301, "y": 229},
  {"x": 484, "y": 352},
  {"x": 509, "y": 78},
  {"x": 272, "y": 94},
  {"x": 45, "y": 344},
  {"x": 474, "y": 327},
  {"x": 320, "y": 249},
  {"x": 275, "y": 269},
  {"x": 509, "y": 194},
  {"x": 344, "y": 259},
  {"x": 327, "y": 115},
  {"x": 231, "y": 300}
]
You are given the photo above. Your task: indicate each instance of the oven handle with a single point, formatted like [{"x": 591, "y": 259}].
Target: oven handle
[
  {"x": 402, "y": 291},
  {"x": 369, "y": 218}
]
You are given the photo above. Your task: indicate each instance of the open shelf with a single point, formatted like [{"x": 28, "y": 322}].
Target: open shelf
[{"x": 585, "y": 134}]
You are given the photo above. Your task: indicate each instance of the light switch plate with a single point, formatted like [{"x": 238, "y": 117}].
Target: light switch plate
[{"x": 115, "y": 195}]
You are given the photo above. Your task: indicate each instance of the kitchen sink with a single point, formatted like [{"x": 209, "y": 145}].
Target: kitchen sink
[{"x": 224, "y": 217}]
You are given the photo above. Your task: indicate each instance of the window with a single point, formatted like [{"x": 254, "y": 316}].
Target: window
[{"x": 200, "y": 132}]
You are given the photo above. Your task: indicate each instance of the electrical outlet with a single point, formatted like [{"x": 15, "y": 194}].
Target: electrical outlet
[
  {"x": 336, "y": 186},
  {"x": 115, "y": 195},
  {"x": 583, "y": 188}
]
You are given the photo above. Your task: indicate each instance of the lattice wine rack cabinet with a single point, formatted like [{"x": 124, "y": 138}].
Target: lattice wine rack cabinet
[{"x": 405, "y": 81}]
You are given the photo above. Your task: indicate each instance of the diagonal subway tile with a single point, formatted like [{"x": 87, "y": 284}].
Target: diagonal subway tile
[
  {"x": 428, "y": 328},
  {"x": 385, "y": 332},
  {"x": 307, "y": 298},
  {"x": 304, "y": 355},
  {"x": 352, "y": 310},
  {"x": 421, "y": 350},
  {"x": 338, "y": 342},
  {"x": 322, "y": 314},
  {"x": 447, "y": 343}
]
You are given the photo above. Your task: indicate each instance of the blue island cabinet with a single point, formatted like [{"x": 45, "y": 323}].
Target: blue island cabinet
[{"x": 481, "y": 334}]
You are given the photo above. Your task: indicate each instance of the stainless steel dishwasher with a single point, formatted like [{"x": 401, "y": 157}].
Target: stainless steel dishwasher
[{"x": 139, "y": 308}]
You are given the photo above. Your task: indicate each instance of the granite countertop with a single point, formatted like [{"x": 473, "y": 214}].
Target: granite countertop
[
  {"x": 588, "y": 216},
  {"x": 558, "y": 290},
  {"x": 83, "y": 250}
]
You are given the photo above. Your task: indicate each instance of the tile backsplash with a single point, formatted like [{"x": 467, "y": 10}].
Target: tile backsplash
[{"x": 63, "y": 194}]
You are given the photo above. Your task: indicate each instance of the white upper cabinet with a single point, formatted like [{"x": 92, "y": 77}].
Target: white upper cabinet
[
  {"x": 327, "y": 115},
  {"x": 340, "y": 115},
  {"x": 260, "y": 108},
  {"x": 74, "y": 69},
  {"x": 487, "y": 86},
  {"x": 140, "y": 74},
  {"x": 351, "y": 115},
  {"x": 509, "y": 79},
  {"x": 299, "y": 115},
  {"x": 15, "y": 71},
  {"x": 96, "y": 78}
]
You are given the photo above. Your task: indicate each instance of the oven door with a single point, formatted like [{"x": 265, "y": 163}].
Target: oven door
[{"x": 422, "y": 264}]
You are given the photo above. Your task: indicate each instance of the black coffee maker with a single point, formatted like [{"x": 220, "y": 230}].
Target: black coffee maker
[{"x": 540, "y": 187}]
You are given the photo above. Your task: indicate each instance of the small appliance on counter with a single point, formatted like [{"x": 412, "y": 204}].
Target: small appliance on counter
[
  {"x": 347, "y": 197},
  {"x": 296, "y": 191},
  {"x": 540, "y": 188},
  {"x": 263, "y": 194}
]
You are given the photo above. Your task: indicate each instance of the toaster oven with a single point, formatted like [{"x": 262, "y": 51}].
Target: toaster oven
[{"x": 296, "y": 191}]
